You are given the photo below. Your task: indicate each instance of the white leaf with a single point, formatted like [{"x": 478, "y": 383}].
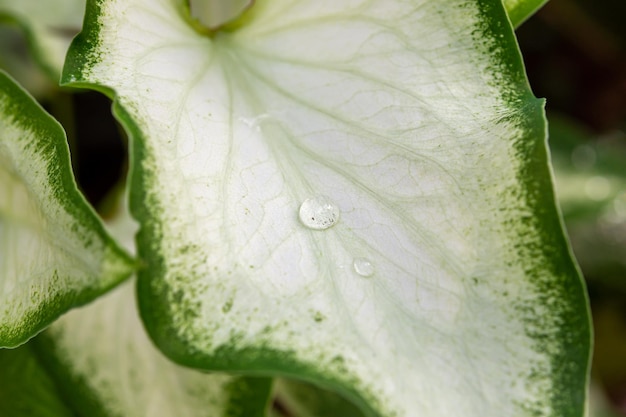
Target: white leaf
[{"x": 437, "y": 280}]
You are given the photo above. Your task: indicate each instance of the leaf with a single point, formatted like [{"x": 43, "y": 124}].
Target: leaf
[
  {"x": 520, "y": 10},
  {"x": 25, "y": 388},
  {"x": 437, "y": 278},
  {"x": 49, "y": 26},
  {"x": 106, "y": 366},
  {"x": 55, "y": 254}
]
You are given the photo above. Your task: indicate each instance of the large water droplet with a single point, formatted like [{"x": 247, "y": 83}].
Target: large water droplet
[
  {"x": 319, "y": 213},
  {"x": 363, "y": 267}
]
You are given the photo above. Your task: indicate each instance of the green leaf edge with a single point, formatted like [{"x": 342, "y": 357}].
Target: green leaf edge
[
  {"x": 117, "y": 263},
  {"x": 573, "y": 357}
]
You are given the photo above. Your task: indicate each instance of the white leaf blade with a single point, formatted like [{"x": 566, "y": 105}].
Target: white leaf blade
[{"x": 416, "y": 121}]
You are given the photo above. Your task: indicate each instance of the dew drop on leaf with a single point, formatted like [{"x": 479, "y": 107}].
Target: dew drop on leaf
[
  {"x": 363, "y": 267},
  {"x": 319, "y": 213}
]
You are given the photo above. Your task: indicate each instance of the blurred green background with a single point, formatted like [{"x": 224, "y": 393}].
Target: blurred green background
[{"x": 575, "y": 55}]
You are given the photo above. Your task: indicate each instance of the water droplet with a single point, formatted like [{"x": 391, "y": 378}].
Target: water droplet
[
  {"x": 319, "y": 213},
  {"x": 363, "y": 267}
]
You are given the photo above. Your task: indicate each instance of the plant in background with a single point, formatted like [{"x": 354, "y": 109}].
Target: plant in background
[{"x": 355, "y": 194}]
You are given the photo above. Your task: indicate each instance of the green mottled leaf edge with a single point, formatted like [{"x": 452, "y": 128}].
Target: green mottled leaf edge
[
  {"x": 26, "y": 390},
  {"x": 521, "y": 10},
  {"x": 51, "y": 141},
  {"x": 571, "y": 361}
]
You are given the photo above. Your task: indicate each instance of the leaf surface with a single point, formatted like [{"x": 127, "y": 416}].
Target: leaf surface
[
  {"x": 355, "y": 193},
  {"x": 54, "y": 251}
]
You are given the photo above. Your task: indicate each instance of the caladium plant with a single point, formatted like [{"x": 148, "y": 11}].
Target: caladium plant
[{"x": 355, "y": 194}]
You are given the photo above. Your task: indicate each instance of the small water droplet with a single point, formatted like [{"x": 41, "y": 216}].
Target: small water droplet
[
  {"x": 319, "y": 213},
  {"x": 363, "y": 267}
]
